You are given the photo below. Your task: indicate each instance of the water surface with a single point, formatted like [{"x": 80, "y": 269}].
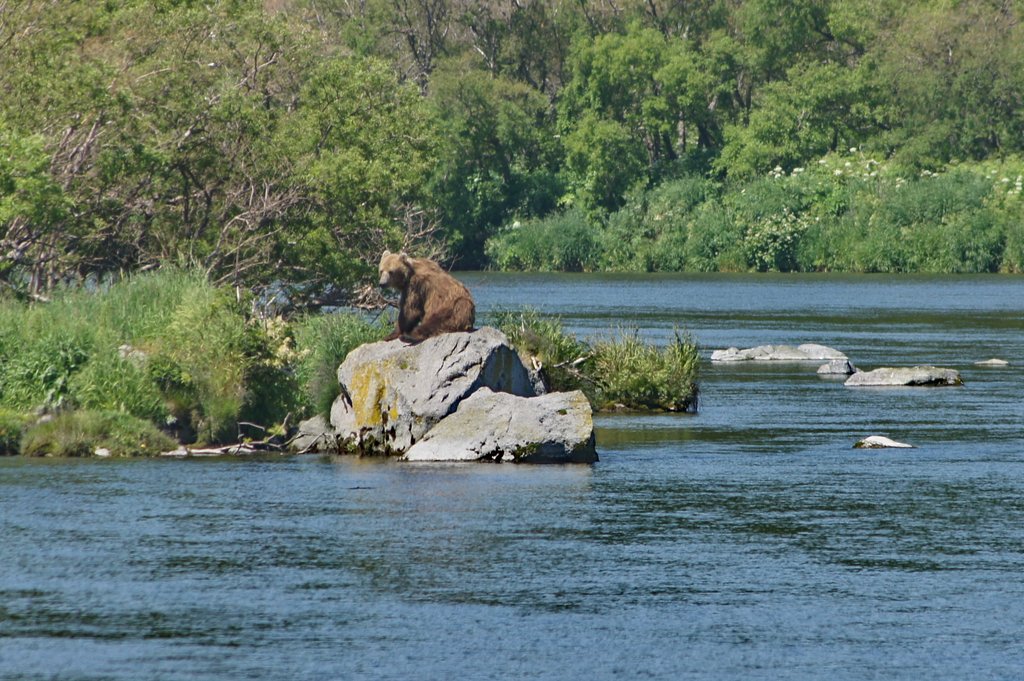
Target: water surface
[{"x": 745, "y": 541}]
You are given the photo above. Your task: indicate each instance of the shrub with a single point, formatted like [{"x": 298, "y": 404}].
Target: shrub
[
  {"x": 564, "y": 242},
  {"x": 637, "y": 375},
  {"x": 1013, "y": 254},
  {"x": 772, "y": 243},
  {"x": 715, "y": 241},
  {"x": 322, "y": 343},
  {"x": 81, "y": 433},
  {"x": 649, "y": 233}
]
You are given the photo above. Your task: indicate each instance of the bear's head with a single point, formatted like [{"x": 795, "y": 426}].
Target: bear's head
[{"x": 395, "y": 270}]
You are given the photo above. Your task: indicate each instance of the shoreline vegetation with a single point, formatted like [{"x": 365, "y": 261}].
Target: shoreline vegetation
[
  {"x": 166, "y": 358},
  {"x": 279, "y": 146},
  {"x": 846, "y": 212},
  {"x": 259, "y": 155}
]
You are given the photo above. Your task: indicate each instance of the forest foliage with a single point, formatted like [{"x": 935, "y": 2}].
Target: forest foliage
[{"x": 278, "y": 146}]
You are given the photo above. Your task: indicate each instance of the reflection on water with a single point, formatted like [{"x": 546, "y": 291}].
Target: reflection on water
[{"x": 745, "y": 541}]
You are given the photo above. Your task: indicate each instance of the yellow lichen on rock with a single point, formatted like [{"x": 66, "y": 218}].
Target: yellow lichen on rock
[{"x": 367, "y": 389}]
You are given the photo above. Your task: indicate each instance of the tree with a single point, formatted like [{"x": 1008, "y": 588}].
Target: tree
[
  {"x": 362, "y": 146},
  {"x": 603, "y": 160},
  {"x": 498, "y": 156},
  {"x": 818, "y": 109},
  {"x": 957, "y": 80}
]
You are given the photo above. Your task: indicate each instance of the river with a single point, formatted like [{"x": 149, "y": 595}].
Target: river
[{"x": 746, "y": 541}]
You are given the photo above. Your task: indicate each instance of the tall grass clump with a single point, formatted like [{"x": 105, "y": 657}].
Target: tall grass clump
[
  {"x": 633, "y": 374},
  {"x": 621, "y": 372},
  {"x": 322, "y": 343},
  {"x": 83, "y": 432},
  {"x": 166, "y": 347}
]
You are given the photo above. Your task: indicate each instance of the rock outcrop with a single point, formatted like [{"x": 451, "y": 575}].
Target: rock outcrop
[
  {"x": 490, "y": 426},
  {"x": 778, "y": 353},
  {"x": 393, "y": 395},
  {"x": 905, "y": 376}
]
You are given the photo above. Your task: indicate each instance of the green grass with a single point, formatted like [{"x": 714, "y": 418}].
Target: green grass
[
  {"x": 12, "y": 426},
  {"x": 323, "y": 342},
  {"x": 619, "y": 372},
  {"x": 633, "y": 374},
  {"x": 81, "y": 433},
  {"x": 166, "y": 347}
]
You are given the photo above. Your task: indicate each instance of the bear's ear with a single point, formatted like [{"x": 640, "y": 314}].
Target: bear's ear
[
  {"x": 386, "y": 253},
  {"x": 406, "y": 260}
]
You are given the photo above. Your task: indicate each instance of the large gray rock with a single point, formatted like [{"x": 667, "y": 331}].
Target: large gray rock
[
  {"x": 778, "y": 353},
  {"x": 905, "y": 376},
  {"x": 393, "y": 393},
  {"x": 490, "y": 426}
]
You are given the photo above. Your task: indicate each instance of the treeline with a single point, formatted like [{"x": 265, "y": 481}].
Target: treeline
[{"x": 279, "y": 146}]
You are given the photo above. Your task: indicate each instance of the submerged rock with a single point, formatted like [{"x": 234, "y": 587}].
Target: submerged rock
[
  {"x": 880, "y": 442},
  {"x": 906, "y": 376},
  {"x": 837, "y": 367},
  {"x": 992, "y": 363},
  {"x": 490, "y": 426},
  {"x": 778, "y": 353}
]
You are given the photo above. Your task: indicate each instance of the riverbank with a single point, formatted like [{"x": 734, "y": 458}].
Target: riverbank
[
  {"x": 167, "y": 359},
  {"x": 846, "y": 212}
]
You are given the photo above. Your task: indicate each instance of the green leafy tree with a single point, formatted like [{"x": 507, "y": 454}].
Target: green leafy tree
[
  {"x": 956, "y": 75},
  {"x": 498, "y": 156},
  {"x": 817, "y": 109},
  {"x": 603, "y": 160},
  {"x": 362, "y": 146}
]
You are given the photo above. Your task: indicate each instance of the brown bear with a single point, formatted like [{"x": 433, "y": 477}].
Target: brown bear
[{"x": 432, "y": 302}]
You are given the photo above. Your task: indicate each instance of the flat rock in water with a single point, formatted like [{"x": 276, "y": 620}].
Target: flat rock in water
[
  {"x": 778, "y": 353},
  {"x": 992, "y": 363},
  {"x": 880, "y": 442},
  {"x": 837, "y": 367},
  {"x": 490, "y": 426},
  {"x": 906, "y": 376}
]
